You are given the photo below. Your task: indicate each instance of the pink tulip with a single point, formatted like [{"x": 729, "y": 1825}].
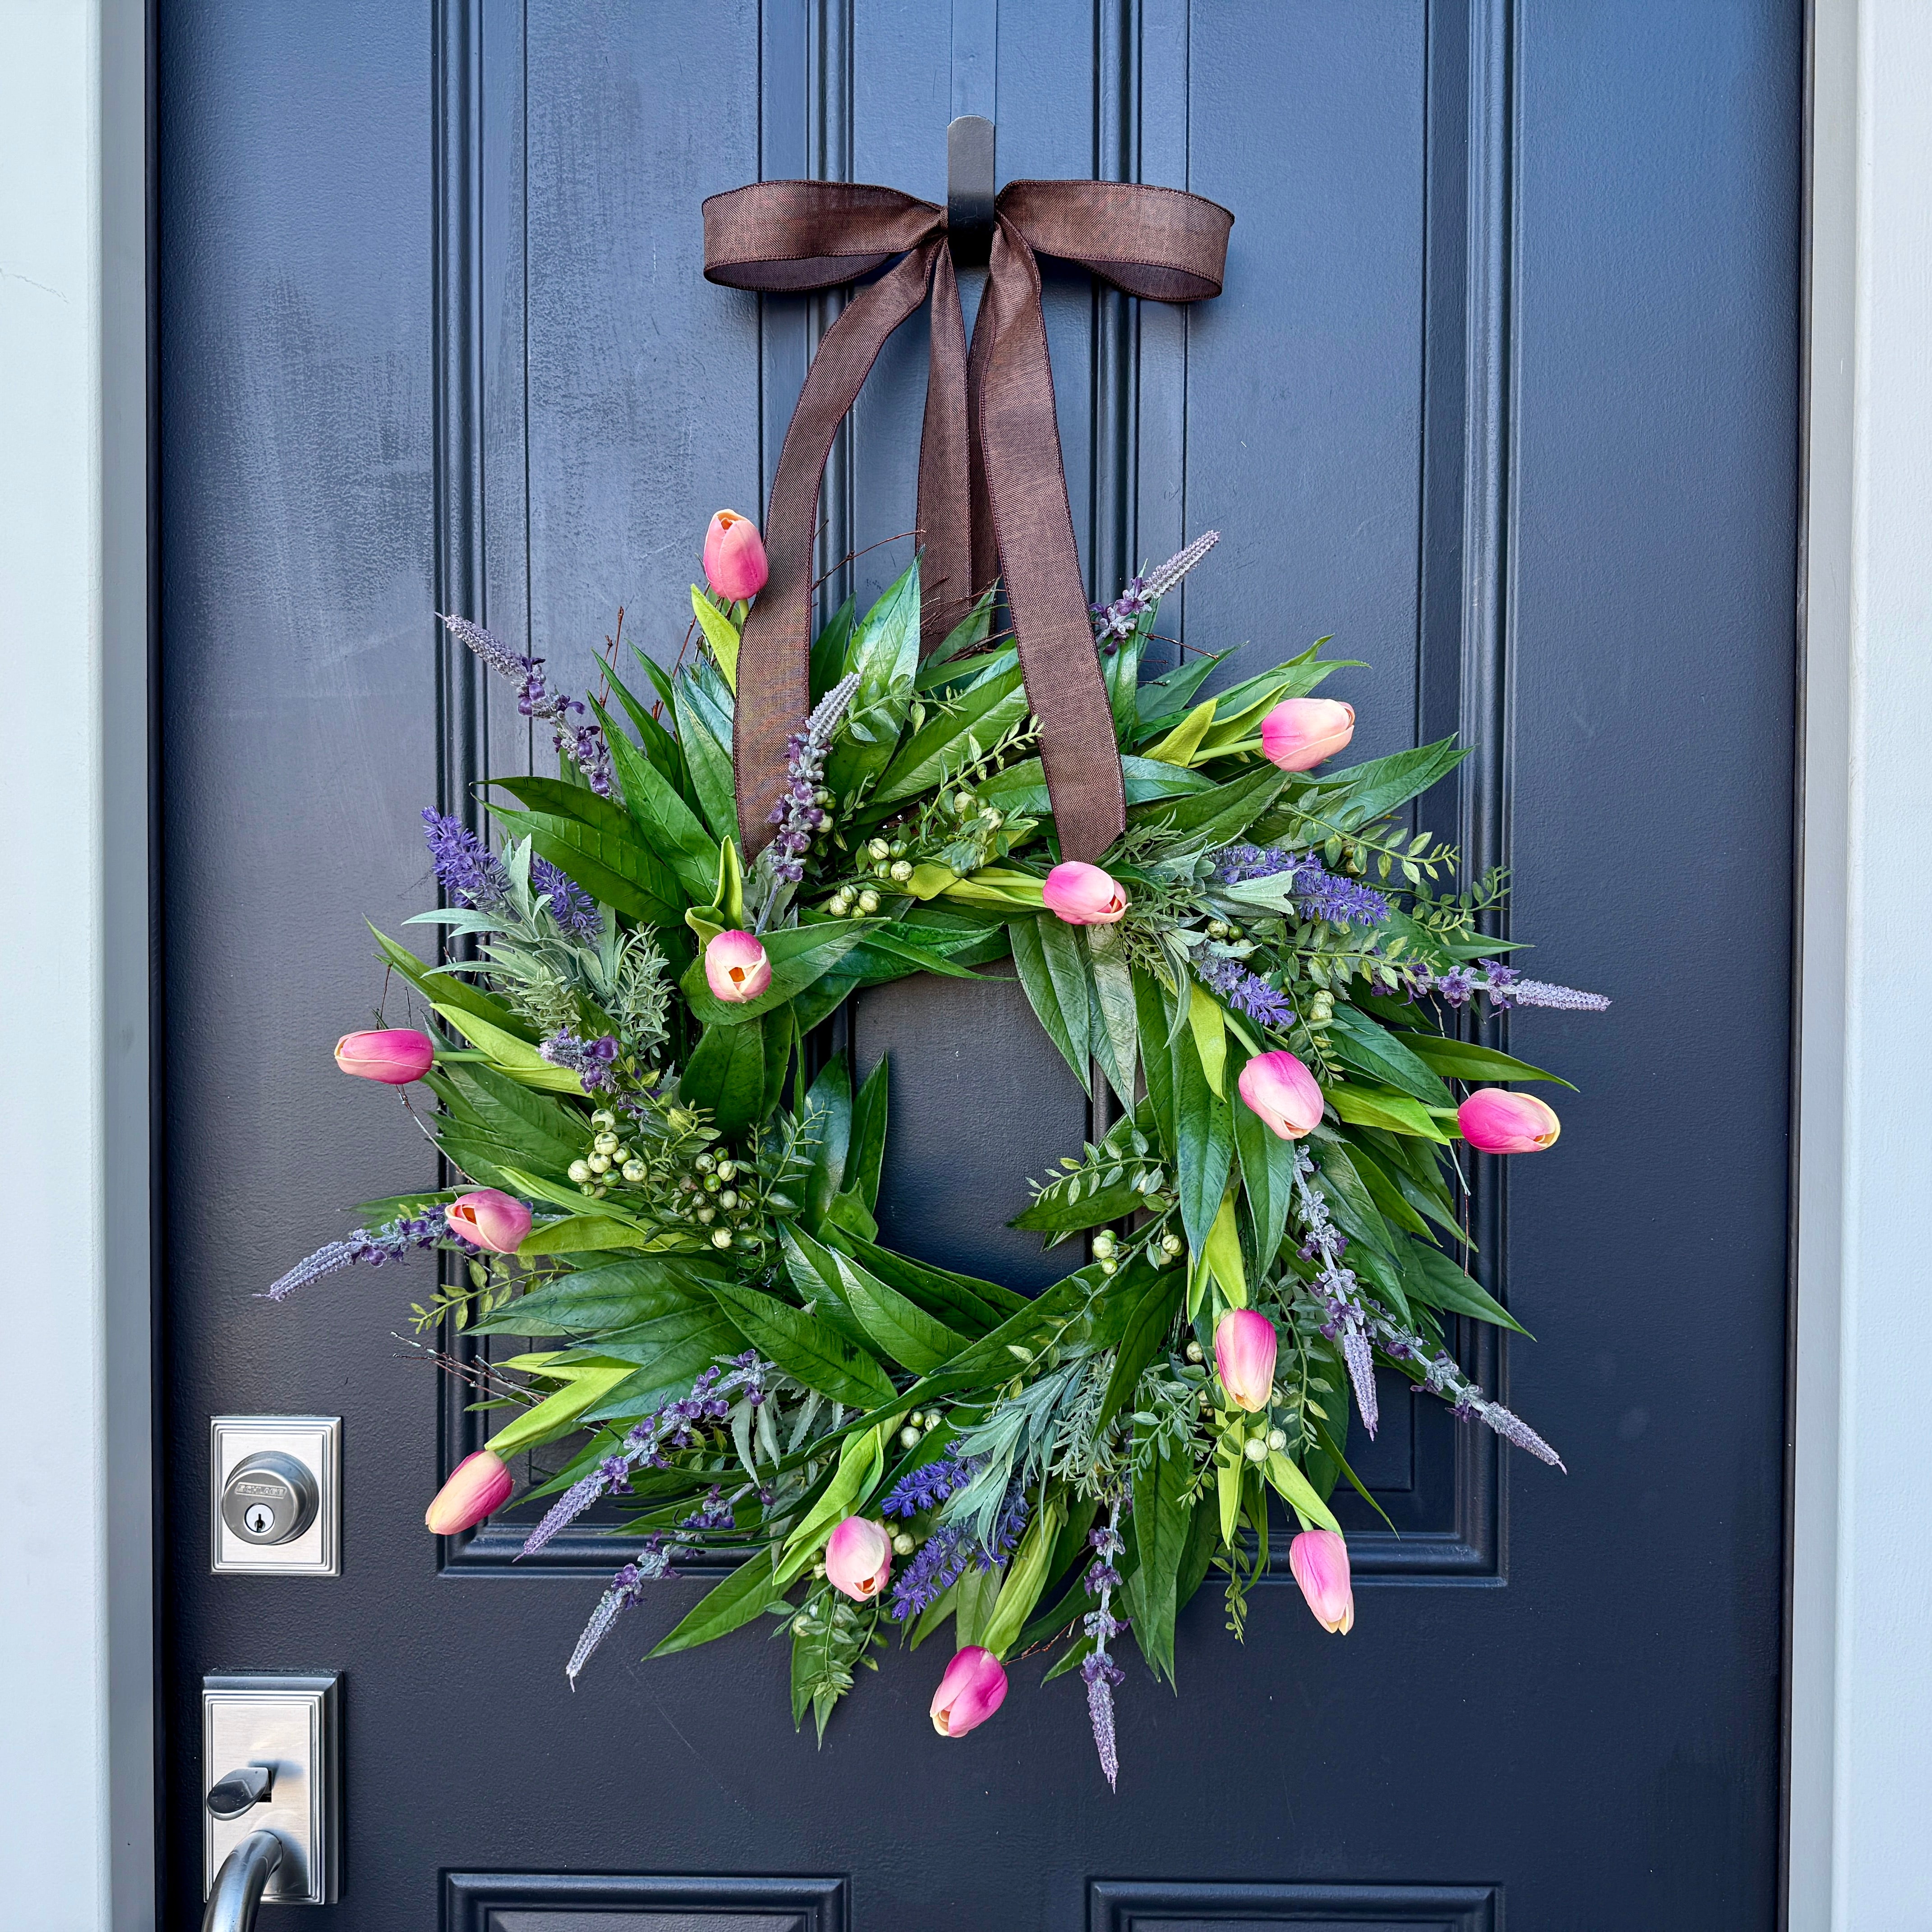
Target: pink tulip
[
  {"x": 1244, "y": 1350},
  {"x": 480, "y": 1483},
  {"x": 1083, "y": 894},
  {"x": 734, "y": 556},
  {"x": 859, "y": 1558},
  {"x": 736, "y": 968},
  {"x": 1281, "y": 1089},
  {"x": 974, "y": 1687},
  {"x": 395, "y": 1058},
  {"x": 1500, "y": 1122},
  {"x": 489, "y": 1218},
  {"x": 1320, "y": 1561},
  {"x": 1299, "y": 732}
]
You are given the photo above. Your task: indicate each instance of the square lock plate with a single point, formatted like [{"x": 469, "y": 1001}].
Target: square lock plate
[
  {"x": 291, "y": 1723},
  {"x": 312, "y": 1445}
]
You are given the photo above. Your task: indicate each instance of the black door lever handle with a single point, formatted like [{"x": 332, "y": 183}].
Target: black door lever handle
[{"x": 241, "y": 1790}]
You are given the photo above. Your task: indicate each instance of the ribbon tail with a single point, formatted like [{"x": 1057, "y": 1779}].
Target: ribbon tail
[
  {"x": 1039, "y": 560},
  {"x": 775, "y": 659},
  {"x": 947, "y": 581}
]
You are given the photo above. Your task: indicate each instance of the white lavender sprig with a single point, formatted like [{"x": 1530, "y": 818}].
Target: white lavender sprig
[
  {"x": 389, "y": 1243},
  {"x": 1098, "y": 1671},
  {"x": 1117, "y": 620},
  {"x": 627, "y": 1587},
  {"x": 800, "y": 813},
  {"x": 1441, "y": 1376},
  {"x": 1348, "y": 1321}
]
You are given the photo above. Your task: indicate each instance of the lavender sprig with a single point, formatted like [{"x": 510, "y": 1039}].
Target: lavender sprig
[
  {"x": 673, "y": 1425},
  {"x": 471, "y": 876},
  {"x": 627, "y": 1587},
  {"x": 799, "y": 815},
  {"x": 1247, "y": 992},
  {"x": 590, "y": 1060},
  {"x": 584, "y": 742},
  {"x": 1348, "y": 1321},
  {"x": 1322, "y": 894},
  {"x": 929, "y": 1486},
  {"x": 389, "y": 1243},
  {"x": 950, "y": 1550},
  {"x": 1118, "y": 619},
  {"x": 1098, "y": 1671},
  {"x": 1441, "y": 1376}
]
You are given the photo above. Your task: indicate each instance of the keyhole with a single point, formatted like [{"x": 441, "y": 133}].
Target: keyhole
[{"x": 260, "y": 1520}]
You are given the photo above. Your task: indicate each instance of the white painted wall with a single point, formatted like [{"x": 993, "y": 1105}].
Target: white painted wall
[
  {"x": 76, "y": 1728},
  {"x": 76, "y": 1615},
  {"x": 1862, "y": 1628}
]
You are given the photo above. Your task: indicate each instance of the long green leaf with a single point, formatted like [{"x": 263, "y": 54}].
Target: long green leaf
[
  {"x": 803, "y": 1348},
  {"x": 1460, "y": 1060},
  {"x": 1115, "y": 1034},
  {"x": 663, "y": 821},
  {"x": 1432, "y": 1277},
  {"x": 909, "y": 1336},
  {"x": 613, "y": 867},
  {"x": 866, "y": 1161},
  {"x": 1043, "y": 994},
  {"x": 1267, "y": 1173},
  {"x": 726, "y": 1073},
  {"x": 1371, "y": 1048},
  {"x": 961, "y": 1301},
  {"x": 1145, "y": 1336},
  {"x": 743, "y": 1595},
  {"x": 828, "y": 1115},
  {"x": 708, "y": 763},
  {"x": 944, "y": 745},
  {"x": 1204, "y": 1134}
]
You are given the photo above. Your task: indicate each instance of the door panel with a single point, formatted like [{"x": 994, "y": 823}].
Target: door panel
[{"x": 1501, "y": 394}]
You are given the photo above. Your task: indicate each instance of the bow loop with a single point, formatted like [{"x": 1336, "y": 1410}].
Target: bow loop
[{"x": 992, "y": 489}]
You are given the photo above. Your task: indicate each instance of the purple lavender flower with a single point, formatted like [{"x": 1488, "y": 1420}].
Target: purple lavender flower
[
  {"x": 1341, "y": 901},
  {"x": 573, "y": 909},
  {"x": 1454, "y": 987},
  {"x": 939, "y": 1563},
  {"x": 1441, "y": 1376},
  {"x": 1247, "y": 992},
  {"x": 470, "y": 874},
  {"x": 590, "y": 1061},
  {"x": 715, "y": 1513},
  {"x": 1235, "y": 863},
  {"x": 627, "y": 1587},
  {"x": 1099, "y": 1672},
  {"x": 929, "y": 1486}
]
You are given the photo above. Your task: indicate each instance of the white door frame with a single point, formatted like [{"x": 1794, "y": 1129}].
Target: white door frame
[{"x": 77, "y": 1654}]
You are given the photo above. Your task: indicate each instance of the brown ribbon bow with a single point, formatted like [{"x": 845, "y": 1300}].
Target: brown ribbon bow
[{"x": 992, "y": 491}]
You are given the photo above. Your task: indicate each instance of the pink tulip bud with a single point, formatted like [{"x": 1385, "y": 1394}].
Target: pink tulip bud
[
  {"x": 1500, "y": 1122},
  {"x": 736, "y": 968},
  {"x": 1083, "y": 894},
  {"x": 734, "y": 556},
  {"x": 1281, "y": 1089},
  {"x": 481, "y": 1482},
  {"x": 1299, "y": 732},
  {"x": 489, "y": 1218},
  {"x": 1244, "y": 1350},
  {"x": 395, "y": 1058},
  {"x": 859, "y": 1558},
  {"x": 1320, "y": 1561},
  {"x": 974, "y": 1687}
]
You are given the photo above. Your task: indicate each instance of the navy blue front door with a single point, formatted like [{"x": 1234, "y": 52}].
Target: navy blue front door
[{"x": 1501, "y": 394}]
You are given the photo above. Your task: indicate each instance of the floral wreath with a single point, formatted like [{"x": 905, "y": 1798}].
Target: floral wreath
[{"x": 668, "y": 1181}]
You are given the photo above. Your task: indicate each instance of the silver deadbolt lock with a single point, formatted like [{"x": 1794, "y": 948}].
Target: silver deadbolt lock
[
  {"x": 269, "y": 1497},
  {"x": 277, "y": 1494}
]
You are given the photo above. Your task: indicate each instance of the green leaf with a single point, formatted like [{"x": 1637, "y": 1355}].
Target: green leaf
[
  {"x": 720, "y": 633},
  {"x": 909, "y": 1336},
  {"x": 805, "y": 1349},
  {"x": 940, "y": 747},
  {"x": 961, "y": 1301},
  {"x": 584, "y": 1385},
  {"x": 1458, "y": 1059},
  {"x": 1371, "y": 1048},
  {"x": 1351, "y": 1203},
  {"x": 1146, "y": 1337},
  {"x": 885, "y": 954},
  {"x": 1069, "y": 1033},
  {"x": 1059, "y": 1215},
  {"x": 1267, "y": 1175},
  {"x": 743, "y": 1595},
  {"x": 1206, "y": 819},
  {"x": 576, "y": 1234},
  {"x": 1377, "y": 1107},
  {"x": 510, "y": 1055},
  {"x": 1114, "y": 1033},
  {"x": 450, "y": 989},
  {"x": 1299, "y": 1493},
  {"x": 1160, "y": 1525},
  {"x": 660, "y": 747},
  {"x": 867, "y": 1158},
  {"x": 1020, "y": 790},
  {"x": 1157, "y": 1059},
  {"x": 708, "y": 763},
  {"x": 1205, "y": 1137},
  {"x": 663, "y": 820},
  {"x": 1371, "y": 790},
  {"x": 884, "y": 652},
  {"x": 533, "y": 1130},
  {"x": 1161, "y": 700},
  {"x": 726, "y": 1073},
  {"x": 939, "y": 665},
  {"x": 610, "y": 865},
  {"x": 800, "y": 956},
  {"x": 1026, "y": 1577},
  {"x": 830, "y": 1105},
  {"x": 672, "y": 1348},
  {"x": 1390, "y": 1202},
  {"x": 1432, "y": 1277}
]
